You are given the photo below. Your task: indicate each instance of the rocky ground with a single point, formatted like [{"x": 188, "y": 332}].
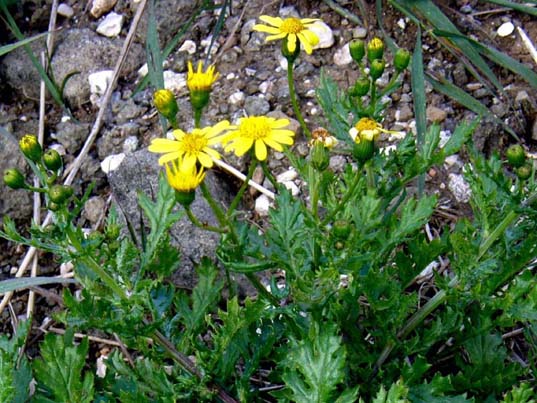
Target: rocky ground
[{"x": 253, "y": 82}]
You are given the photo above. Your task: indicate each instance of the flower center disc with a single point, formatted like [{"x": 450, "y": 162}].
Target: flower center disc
[
  {"x": 194, "y": 142},
  {"x": 291, "y": 26},
  {"x": 366, "y": 124},
  {"x": 255, "y": 128}
]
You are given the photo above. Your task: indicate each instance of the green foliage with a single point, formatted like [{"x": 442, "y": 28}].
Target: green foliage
[
  {"x": 15, "y": 372},
  {"x": 60, "y": 371}
]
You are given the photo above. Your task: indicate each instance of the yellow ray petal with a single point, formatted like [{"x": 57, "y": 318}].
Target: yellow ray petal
[
  {"x": 265, "y": 28},
  {"x": 163, "y": 146},
  {"x": 260, "y": 150},
  {"x": 275, "y": 21},
  {"x": 168, "y": 157}
]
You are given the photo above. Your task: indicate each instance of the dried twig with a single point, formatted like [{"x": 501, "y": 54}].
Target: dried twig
[
  {"x": 528, "y": 43},
  {"x": 242, "y": 177}
]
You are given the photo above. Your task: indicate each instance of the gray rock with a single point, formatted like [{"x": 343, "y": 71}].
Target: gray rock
[
  {"x": 256, "y": 106},
  {"x": 125, "y": 111},
  {"x": 435, "y": 114},
  {"x": 79, "y": 51},
  {"x": 71, "y": 135},
  {"x": 139, "y": 173},
  {"x": 405, "y": 113},
  {"x": 15, "y": 203},
  {"x": 112, "y": 140},
  {"x": 460, "y": 78},
  {"x": 93, "y": 209}
]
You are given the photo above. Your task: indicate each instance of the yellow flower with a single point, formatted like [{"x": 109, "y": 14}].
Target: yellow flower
[
  {"x": 189, "y": 148},
  {"x": 200, "y": 81},
  {"x": 260, "y": 131},
  {"x": 367, "y": 129},
  {"x": 290, "y": 28},
  {"x": 184, "y": 180}
]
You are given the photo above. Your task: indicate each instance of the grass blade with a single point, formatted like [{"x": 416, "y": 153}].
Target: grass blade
[
  {"x": 14, "y": 284},
  {"x": 418, "y": 91},
  {"x": 8, "y": 48},
  {"x": 516, "y": 6}
]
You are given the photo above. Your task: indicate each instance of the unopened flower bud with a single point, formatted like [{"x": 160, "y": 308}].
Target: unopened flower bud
[
  {"x": 166, "y": 103},
  {"x": 31, "y": 148},
  {"x": 357, "y": 50},
  {"x": 524, "y": 172},
  {"x": 341, "y": 229},
  {"x": 361, "y": 87},
  {"x": 59, "y": 194},
  {"x": 375, "y": 49},
  {"x": 14, "y": 179},
  {"x": 515, "y": 155},
  {"x": 319, "y": 156},
  {"x": 52, "y": 160},
  {"x": 376, "y": 68},
  {"x": 401, "y": 59}
]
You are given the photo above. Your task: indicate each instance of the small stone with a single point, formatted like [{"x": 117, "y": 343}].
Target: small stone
[
  {"x": 473, "y": 86},
  {"x": 343, "y": 56},
  {"x": 130, "y": 145},
  {"x": 256, "y": 106},
  {"x": 337, "y": 163},
  {"x": 459, "y": 187},
  {"x": 435, "y": 114},
  {"x": 534, "y": 130},
  {"x": 100, "y": 81},
  {"x": 188, "y": 46},
  {"x": 289, "y": 175},
  {"x": 324, "y": 33},
  {"x": 453, "y": 161},
  {"x": 359, "y": 33},
  {"x": 401, "y": 23},
  {"x": 445, "y": 135},
  {"x": 466, "y": 9},
  {"x": 292, "y": 187},
  {"x": 111, "y": 25},
  {"x": 265, "y": 86},
  {"x": 112, "y": 162},
  {"x": 99, "y": 7},
  {"x": 236, "y": 98},
  {"x": 432, "y": 172},
  {"x": 505, "y": 29},
  {"x": 174, "y": 81},
  {"x": 262, "y": 205},
  {"x": 93, "y": 209},
  {"x": 65, "y": 10},
  {"x": 405, "y": 113}
]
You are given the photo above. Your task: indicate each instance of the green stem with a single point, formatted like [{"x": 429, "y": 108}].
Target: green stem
[
  {"x": 268, "y": 174},
  {"x": 343, "y": 201},
  {"x": 370, "y": 175},
  {"x": 262, "y": 290},
  {"x": 244, "y": 186},
  {"x": 199, "y": 224},
  {"x": 197, "y": 117},
  {"x": 500, "y": 229},
  {"x": 294, "y": 102},
  {"x": 218, "y": 212}
]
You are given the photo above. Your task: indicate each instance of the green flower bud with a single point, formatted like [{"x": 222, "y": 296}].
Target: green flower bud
[
  {"x": 363, "y": 151},
  {"x": 185, "y": 198},
  {"x": 52, "y": 160},
  {"x": 31, "y": 148},
  {"x": 524, "y": 172},
  {"x": 341, "y": 229},
  {"x": 14, "y": 179},
  {"x": 376, "y": 68},
  {"x": 339, "y": 245},
  {"x": 401, "y": 59},
  {"x": 375, "y": 49},
  {"x": 361, "y": 87},
  {"x": 53, "y": 206},
  {"x": 515, "y": 155},
  {"x": 112, "y": 231},
  {"x": 166, "y": 103},
  {"x": 357, "y": 50},
  {"x": 59, "y": 194},
  {"x": 319, "y": 156}
]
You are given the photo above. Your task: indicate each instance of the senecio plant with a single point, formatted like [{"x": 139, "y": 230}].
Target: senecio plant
[{"x": 357, "y": 300}]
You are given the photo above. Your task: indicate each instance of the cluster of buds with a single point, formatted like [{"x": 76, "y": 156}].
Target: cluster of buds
[
  {"x": 48, "y": 163},
  {"x": 516, "y": 157}
]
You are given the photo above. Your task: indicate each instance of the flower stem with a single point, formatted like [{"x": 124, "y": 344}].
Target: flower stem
[
  {"x": 242, "y": 189},
  {"x": 197, "y": 117},
  {"x": 218, "y": 212},
  {"x": 199, "y": 224},
  {"x": 343, "y": 201},
  {"x": 268, "y": 174},
  {"x": 294, "y": 102}
]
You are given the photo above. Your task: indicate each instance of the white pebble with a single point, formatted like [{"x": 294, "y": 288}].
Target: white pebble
[
  {"x": 99, "y": 81},
  {"x": 111, "y": 25},
  {"x": 292, "y": 187},
  {"x": 112, "y": 162},
  {"x": 459, "y": 187},
  {"x": 506, "y": 29},
  {"x": 230, "y": 76},
  {"x": 174, "y": 81},
  {"x": 99, "y": 7},
  {"x": 264, "y": 86},
  {"x": 325, "y": 34},
  {"x": 262, "y": 205},
  {"x": 130, "y": 144},
  {"x": 142, "y": 71},
  {"x": 236, "y": 97},
  {"x": 342, "y": 56},
  {"x": 401, "y": 23},
  {"x": 189, "y": 47},
  {"x": 59, "y": 148},
  {"x": 65, "y": 10},
  {"x": 287, "y": 176},
  {"x": 207, "y": 42}
]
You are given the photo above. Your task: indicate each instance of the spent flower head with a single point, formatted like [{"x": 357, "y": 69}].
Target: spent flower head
[
  {"x": 290, "y": 29},
  {"x": 260, "y": 132},
  {"x": 323, "y": 137},
  {"x": 189, "y": 148}
]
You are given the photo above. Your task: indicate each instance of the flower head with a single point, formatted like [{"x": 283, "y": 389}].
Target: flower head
[
  {"x": 200, "y": 81},
  {"x": 259, "y": 131},
  {"x": 165, "y": 103},
  {"x": 190, "y": 148},
  {"x": 290, "y": 28},
  {"x": 366, "y": 129},
  {"x": 184, "y": 180},
  {"x": 30, "y": 147},
  {"x": 323, "y": 137}
]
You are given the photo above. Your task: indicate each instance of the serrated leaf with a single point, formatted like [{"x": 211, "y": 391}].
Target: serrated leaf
[
  {"x": 415, "y": 214},
  {"x": 60, "y": 370},
  {"x": 160, "y": 217},
  {"x": 522, "y": 393},
  {"x": 329, "y": 97},
  {"x": 427, "y": 393},
  {"x": 463, "y": 132},
  {"x": 314, "y": 367},
  {"x": 432, "y": 138}
]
